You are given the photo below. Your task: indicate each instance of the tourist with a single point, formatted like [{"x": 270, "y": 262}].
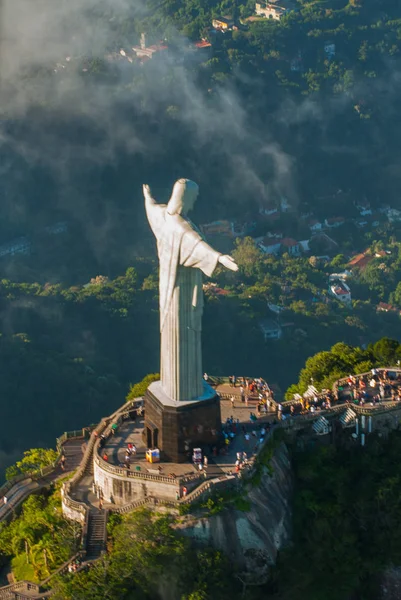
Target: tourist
[
  {"x": 205, "y": 376},
  {"x": 100, "y": 503},
  {"x": 246, "y": 399},
  {"x": 5, "y": 500},
  {"x": 62, "y": 462},
  {"x": 234, "y": 380},
  {"x": 177, "y": 495},
  {"x": 247, "y": 437},
  {"x": 205, "y": 461},
  {"x": 133, "y": 449},
  {"x": 230, "y": 381},
  {"x": 239, "y": 455},
  {"x": 105, "y": 457},
  {"x": 232, "y": 401},
  {"x": 184, "y": 491}
]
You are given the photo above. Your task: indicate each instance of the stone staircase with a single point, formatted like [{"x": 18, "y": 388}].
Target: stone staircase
[{"x": 96, "y": 540}]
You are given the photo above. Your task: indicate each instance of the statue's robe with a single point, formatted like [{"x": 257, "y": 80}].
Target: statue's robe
[{"x": 180, "y": 246}]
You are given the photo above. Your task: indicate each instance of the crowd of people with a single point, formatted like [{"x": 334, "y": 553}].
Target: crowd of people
[
  {"x": 368, "y": 389},
  {"x": 74, "y": 565}
]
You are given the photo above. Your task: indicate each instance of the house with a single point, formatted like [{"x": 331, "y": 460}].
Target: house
[
  {"x": 340, "y": 276},
  {"x": 393, "y": 215},
  {"x": 212, "y": 289},
  {"x": 323, "y": 243},
  {"x": 275, "y": 9},
  {"x": 383, "y": 307},
  {"x": 334, "y": 222},
  {"x": 329, "y": 50},
  {"x": 270, "y": 329},
  {"x": 241, "y": 228},
  {"x": 270, "y": 245},
  {"x": 363, "y": 206},
  {"x": 341, "y": 292},
  {"x": 223, "y": 23},
  {"x": 361, "y": 223},
  {"x": 267, "y": 211},
  {"x": 360, "y": 261},
  {"x": 315, "y": 225},
  {"x": 304, "y": 246},
  {"x": 275, "y": 308},
  {"x": 142, "y": 51},
  {"x": 203, "y": 45},
  {"x": 292, "y": 247},
  {"x": 199, "y": 51},
  {"x": 217, "y": 227}
]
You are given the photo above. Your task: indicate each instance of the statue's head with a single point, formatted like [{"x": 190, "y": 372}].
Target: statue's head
[{"x": 183, "y": 197}]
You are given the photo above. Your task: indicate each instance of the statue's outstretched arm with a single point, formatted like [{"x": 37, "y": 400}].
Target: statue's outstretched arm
[{"x": 154, "y": 211}]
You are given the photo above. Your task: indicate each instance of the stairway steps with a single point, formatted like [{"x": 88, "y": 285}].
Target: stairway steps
[{"x": 95, "y": 541}]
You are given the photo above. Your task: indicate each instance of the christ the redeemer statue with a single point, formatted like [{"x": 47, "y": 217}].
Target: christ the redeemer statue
[{"x": 183, "y": 254}]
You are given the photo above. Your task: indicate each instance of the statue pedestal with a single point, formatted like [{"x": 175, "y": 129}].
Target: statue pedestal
[{"x": 178, "y": 427}]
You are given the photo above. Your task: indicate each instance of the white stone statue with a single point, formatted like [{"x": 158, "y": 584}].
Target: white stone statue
[{"x": 180, "y": 246}]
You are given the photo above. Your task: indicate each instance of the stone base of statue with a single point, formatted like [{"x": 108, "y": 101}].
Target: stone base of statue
[{"x": 176, "y": 427}]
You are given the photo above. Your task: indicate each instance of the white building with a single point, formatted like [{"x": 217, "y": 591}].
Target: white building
[
  {"x": 271, "y": 329},
  {"x": 275, "y": 9},
  {"x": 270, "y": 245},
  {"x": 340, "y": 276},
  {"x": 315, "y": 225},
  {"x": 341, "y": 292}
]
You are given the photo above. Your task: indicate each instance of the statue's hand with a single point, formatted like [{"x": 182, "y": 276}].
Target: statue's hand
[
  {"x": 146, "y": 192},
  {"x": 228, "y": 262}
]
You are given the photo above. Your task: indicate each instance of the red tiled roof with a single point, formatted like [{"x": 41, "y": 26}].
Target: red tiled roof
[
  {"x": 386, "y": 307},
  {"x": 289, "y": 242},
  {"x": 203, "y": 44},
  {"x": 360, "y": 261}
]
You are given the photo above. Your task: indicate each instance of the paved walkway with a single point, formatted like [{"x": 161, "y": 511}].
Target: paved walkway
[
  {"x": 20, "y": 491},
  {"x": 131, "y": 432}
]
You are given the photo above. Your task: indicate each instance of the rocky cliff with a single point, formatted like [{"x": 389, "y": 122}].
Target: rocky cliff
[{"x": 259, "y": 532}]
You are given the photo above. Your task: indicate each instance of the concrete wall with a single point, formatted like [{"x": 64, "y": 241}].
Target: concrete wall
[
  {"x": 122, "y": 490},
  {"x": 72, "y": 513}
]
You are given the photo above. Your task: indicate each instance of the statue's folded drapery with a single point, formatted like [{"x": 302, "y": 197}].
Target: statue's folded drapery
[{"x": 183, "y": 254}]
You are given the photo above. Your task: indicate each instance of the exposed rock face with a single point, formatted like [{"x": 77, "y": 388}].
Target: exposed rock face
[{"x": 260, "y": 532}]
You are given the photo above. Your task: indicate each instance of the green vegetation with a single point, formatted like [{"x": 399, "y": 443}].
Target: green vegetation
[
  {"x": 34, "y": 460},
  {"x": 38, "y": 540},
  {"x": 325, "y": 368},
  {"x": 146, "y": 556},
  {"x": 346, "y": 521},
  {"x": 138, "y": 389}
]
